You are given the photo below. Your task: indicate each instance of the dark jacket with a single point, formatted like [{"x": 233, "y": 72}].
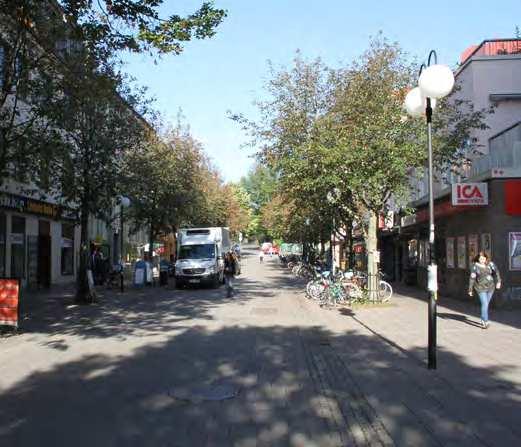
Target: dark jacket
[
  {"x": 230, "y": 266},
  {"x": 483, "y": 278}
]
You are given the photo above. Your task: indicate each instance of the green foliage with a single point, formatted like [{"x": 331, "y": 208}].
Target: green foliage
[
  {"x": 136, "y": 25},
  {"x": 345, "y": 131}
]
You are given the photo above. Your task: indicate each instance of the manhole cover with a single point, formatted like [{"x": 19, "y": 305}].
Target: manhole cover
[
  {"x": 212, "y": 392},
  {"x": 264, "y": 310}
]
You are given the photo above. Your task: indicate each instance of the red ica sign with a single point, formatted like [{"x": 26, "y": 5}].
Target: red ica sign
[
  {"x": 469, "y": 194},
  {"x": 9, "y": 295}
]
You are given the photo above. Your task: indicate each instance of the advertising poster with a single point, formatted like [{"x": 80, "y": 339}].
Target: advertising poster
[
  {"x": 473, "y": 247},
  {"x": 9, "y": 301},
  {"x": 421, "y": 257},
  {"x": 450, "y": 252},
  {"x": 462, "y": 252},
  {"x": 514, "y": 250},
  {"x": 486, "y": 244}
]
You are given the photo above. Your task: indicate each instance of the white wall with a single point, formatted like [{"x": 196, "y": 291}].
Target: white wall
[{"x": 484, "y": 76}]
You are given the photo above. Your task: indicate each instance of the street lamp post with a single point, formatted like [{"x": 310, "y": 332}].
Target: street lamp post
[
  {"x": 435, "y": 81},
  {"x": 124, "y": 202}
]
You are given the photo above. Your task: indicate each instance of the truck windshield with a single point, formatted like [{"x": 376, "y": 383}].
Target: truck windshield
[{"x": 202, "y": 251}]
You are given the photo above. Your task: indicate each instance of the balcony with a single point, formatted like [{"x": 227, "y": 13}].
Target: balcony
[{"x": 505, "y": 152}]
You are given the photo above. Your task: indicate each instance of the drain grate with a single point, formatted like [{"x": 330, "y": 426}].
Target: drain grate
[{"x": 212, "y": 392}]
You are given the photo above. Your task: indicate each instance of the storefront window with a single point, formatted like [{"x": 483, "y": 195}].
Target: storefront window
[
  {"x": 17, "y": 239},
  {"x": 2, "y": 244},
  {"x": 67, "y": 249}
]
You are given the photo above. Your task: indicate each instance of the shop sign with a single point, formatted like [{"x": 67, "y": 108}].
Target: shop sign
[
  {"x": 514, "y": 250},
  {"x": 32, "y": 206},
  {"x": 473, "y": 194},
  {"x": 9, "y": 301}
]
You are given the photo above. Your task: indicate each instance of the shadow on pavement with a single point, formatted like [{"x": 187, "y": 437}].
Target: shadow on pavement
[
  {"x": 294, "y": 386},
  {"x": 508, "y": 317}
]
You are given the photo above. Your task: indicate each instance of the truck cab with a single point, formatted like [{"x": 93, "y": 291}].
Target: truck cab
[{"x": 200, "y": 253}]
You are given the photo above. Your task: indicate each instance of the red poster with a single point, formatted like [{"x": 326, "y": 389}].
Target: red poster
[{"x": 9, "y": 301}]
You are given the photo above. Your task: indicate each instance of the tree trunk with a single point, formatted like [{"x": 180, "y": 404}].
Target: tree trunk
[
  {"x": 83, "y": 294},
  {"x": 372, "y": 265}
]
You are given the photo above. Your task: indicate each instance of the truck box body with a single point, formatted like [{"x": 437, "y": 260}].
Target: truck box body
[{"x": 200, "y": 253}]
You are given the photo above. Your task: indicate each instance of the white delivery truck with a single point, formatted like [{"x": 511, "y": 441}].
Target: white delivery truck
[{"x": 200, "y": 255}]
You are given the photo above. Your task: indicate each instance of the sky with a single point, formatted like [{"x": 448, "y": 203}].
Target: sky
[{"x": 227, "y": 72}]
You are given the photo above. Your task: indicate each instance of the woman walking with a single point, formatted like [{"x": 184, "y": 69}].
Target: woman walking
[
  {"x": 484, "y": 278},
  {"x": 230, "y": 270}
]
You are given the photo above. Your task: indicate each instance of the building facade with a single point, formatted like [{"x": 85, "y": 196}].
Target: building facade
[{"x": 489, "y": 76}]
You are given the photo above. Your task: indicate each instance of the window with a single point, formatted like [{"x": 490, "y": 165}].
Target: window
[
  {"x": 202, "y": 251},
  {"x": 17, "y": 239},
  {"x": 2, "y": 245},
  {"x": 67, "y": 249}
]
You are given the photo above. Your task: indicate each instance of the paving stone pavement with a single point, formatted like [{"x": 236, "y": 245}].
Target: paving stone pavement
[{"x": 146, "y": 368}]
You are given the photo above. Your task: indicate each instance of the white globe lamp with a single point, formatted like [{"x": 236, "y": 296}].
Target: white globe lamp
[
  {"x": 436, "y": 81},
  {"x": 415, "y": 102}
]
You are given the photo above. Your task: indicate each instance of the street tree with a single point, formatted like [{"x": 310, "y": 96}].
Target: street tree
[
  {"x": 109, "y": 26},
  {"x": 379, "y": 145},
  {"x": 161, "y": 178}
]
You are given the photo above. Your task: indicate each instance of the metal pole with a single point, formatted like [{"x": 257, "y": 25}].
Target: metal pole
[
  {"x": 432, "y": 269},
  {"x": 333, "y": 250},
  {"x": 122, "y": 286}
]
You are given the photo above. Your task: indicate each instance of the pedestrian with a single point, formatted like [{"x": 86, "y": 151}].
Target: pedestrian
[
  {"x": 230, "y": 270},
  {"x": 484, "y": 278},
  {"x": 261, "y": 256}
]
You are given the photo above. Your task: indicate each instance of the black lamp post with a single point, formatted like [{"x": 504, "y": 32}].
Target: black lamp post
[
  {"x": 435, "y": 81},
  {"x": 123, "y": 202}
]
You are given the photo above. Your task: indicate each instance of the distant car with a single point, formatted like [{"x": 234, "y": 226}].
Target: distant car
[{"x": 275, "y": 250}]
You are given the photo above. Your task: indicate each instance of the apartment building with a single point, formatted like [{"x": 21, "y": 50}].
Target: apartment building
[
  {"x": 478, "y": 206},
  {"x": 39, "y": 235}
]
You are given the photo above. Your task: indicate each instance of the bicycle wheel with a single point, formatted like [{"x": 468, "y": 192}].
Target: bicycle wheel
[
  {"x": 315, "y": 290},
  {"x": 353, "y": 292},
  {"x": 385, "y": 291}
]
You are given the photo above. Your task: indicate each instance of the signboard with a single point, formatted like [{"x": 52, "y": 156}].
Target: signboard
[
  {"x": 450, "y": 252},
  {"x": 9, "y": 301},
  {"x": 33, "y": 206},
  {"x": 473, "y": 247},
  {"x": 469, "y": 194},
  {"x": 514, "y": 250},
  {"x": 486, "y": 244},
  {"x": 462, "y": 252}
]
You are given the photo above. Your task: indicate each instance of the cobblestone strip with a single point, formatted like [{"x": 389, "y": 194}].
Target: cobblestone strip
[{"x": 346, "y": 411}]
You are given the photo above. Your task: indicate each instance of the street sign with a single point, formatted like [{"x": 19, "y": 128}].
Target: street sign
[{"x": 9, "y": 301}]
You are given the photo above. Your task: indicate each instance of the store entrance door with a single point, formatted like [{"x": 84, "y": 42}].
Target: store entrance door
[{"x": 44, "y": 254}]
